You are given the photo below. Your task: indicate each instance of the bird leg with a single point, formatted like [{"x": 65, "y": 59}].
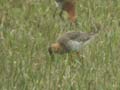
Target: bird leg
[
  {"x": 54, "y": 13},
  {"x": 70, "y": 57},
  {"x": 80, "y": 57},
  {"x": 71, "y": 60},
  {"x": 76, "y": 23},
  {"x": 60, "y": 14},
  {"x": 78, "y": 54}
]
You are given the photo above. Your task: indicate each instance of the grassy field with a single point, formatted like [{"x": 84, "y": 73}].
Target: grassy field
[{"x": 27, "y": 28}]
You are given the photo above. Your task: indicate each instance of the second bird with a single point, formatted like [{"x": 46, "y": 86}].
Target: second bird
[{"x": 69, "y": 7}]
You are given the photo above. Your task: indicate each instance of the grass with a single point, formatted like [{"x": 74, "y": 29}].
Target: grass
[{"x": 27, "y": 28}]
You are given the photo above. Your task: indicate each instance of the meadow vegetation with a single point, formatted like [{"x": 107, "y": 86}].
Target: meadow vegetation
[{"x": 27, "y": 28}]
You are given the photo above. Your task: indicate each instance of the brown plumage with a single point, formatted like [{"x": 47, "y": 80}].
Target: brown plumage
[{"x": 69, "y": 7}]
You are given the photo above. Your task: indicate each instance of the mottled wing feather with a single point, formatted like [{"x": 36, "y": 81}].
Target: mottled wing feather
[
  {"x": 78, "y": 36},
  {"x": 74, "y": 40}
]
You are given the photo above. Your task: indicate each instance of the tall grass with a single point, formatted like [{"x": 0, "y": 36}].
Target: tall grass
[{"x": 27, "y": 28}]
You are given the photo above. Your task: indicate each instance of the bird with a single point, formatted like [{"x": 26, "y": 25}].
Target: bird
[
  {"x": 72, "y": 41},
  {"x": 69, "y": 7}
]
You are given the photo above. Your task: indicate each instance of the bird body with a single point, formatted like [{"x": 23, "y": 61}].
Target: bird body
[
  {"x": 71, "y": 41},
  {"x": 69, "y": 7}
]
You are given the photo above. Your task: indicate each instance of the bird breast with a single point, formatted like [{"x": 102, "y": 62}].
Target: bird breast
[{"x": 74, "y": 45}]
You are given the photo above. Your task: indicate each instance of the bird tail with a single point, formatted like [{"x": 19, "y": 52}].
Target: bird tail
[
  {"x": 92, "y": 37},
  {"x": 96, "y": 29}
]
